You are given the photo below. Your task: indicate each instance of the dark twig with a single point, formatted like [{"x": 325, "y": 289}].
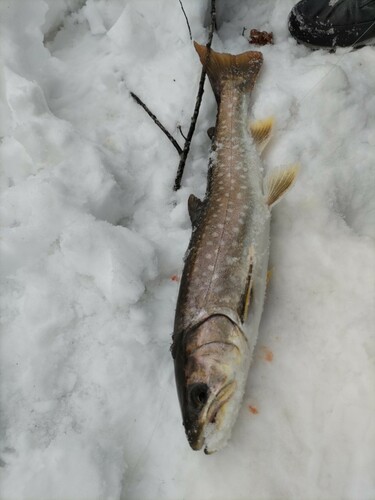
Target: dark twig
[
  {"x": 179, "y": 128},
  {"x": 183, "y": 153},
  {"x": 198, "y": 101},
  {"x": 187, "y": 20},
  {"x": 156, "y": 121}
]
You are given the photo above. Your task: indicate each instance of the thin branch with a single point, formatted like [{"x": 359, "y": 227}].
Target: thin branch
[
  {"x": 185, "y": 152},
  {"x": 156, "y": 121},
  {"x": 187, "y": 20},
  {"x": 179, "y": 128}
]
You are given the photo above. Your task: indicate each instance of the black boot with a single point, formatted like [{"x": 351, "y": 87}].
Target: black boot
[{"x": 333, "y": 23}]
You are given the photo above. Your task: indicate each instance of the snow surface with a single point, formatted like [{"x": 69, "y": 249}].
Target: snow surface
[{"x": 93, "y": 235}]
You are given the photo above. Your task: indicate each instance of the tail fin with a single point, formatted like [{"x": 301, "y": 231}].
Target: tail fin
[{"x": 242, "y": 69}]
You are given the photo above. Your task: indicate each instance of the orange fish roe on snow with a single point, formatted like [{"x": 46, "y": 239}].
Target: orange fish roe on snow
[
  {"x": 253, "y": 409},
  {"x": 267, "y": 354}
]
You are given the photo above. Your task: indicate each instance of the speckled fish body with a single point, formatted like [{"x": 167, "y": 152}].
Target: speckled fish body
[
  {"x": 229, "y": 245},
  {"x": 224, "y": 279}
]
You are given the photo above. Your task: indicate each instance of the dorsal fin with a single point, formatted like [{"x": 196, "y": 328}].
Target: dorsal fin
[
  {"x": 241, "y": 69},
  {"x": 211, "y": 132},
  {"x": 194, "y": 207}
]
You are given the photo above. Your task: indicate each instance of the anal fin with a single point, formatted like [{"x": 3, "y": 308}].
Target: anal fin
[{"x": 261, "y": 131}]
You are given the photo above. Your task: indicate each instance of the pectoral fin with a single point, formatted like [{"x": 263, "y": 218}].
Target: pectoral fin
[
  {"x": 261, "y": 131},
  {"x": 247, "y": 295},
  {"x": 269, "y": 276},
  {"x": 194, "y": 207},
  {"x": 278, "y": 182}
]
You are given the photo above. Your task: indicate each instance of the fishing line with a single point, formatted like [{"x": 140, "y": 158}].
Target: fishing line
[{"x": 336, "y": 64}]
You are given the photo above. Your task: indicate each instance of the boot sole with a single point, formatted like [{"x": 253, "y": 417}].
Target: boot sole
[{"x": 359, "y": 45}]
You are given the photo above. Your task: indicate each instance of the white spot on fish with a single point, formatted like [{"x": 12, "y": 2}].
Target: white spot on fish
[{"x": 231, "y": 260}]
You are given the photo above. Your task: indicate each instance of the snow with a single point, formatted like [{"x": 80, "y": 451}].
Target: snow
[{"x": 93, "y": 238}]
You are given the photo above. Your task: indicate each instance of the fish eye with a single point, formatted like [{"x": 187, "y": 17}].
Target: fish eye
[{"x": 198, "y": 394}]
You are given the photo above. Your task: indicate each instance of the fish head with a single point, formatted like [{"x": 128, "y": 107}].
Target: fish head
[{"x": 211, "y": 370}]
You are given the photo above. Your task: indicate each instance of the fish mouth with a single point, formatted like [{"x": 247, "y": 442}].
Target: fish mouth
[
  {"x": 210, "y": 416},
  {"x": 220, "y": 400}
]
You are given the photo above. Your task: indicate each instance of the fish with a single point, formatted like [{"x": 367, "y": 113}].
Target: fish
[{"x": 223, "y": 284}]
